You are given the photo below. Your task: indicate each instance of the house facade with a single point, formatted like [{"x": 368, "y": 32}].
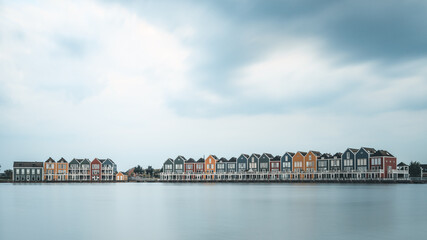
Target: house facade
[
  {"x": 28, "y": 171},
  {"x": 49, "y": 170},
  {"x": 210, "y": 164},
  {"x": 62, "y": 170},
  {"x": 264, "y": 162},
  {"x": 200, "y": 165},
  {"x": 121, "y": 177},
  {"x": 231, "y": 165},
  {"x": 178, "y": 164},
  {"x": 275, "y": 164},
  {"x": 242, "y": 163},
  {"x": 383, "y": 160},
  {"x": 311, "y": 161},
  {"x": 253, "y": 163},
  {"x": 348, "y": 159},
  {"x": 362, "y": 158},
  {"x": 108, "y": 169},
  {"x": 95, "y": 170},
  {"x": 168, "y": 166},
  {"x": 221, "y": 165},
  {"x": 299, "y": 162},
  {"x": 286, "y": 162},
  {"x": 323, "y": 162},
  {"x": 335, "y": 162},
  {"x": 190, "y": 166}
]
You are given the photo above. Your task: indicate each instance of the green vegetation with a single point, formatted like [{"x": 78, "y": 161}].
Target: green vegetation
[{"x": 414, "y": 169}]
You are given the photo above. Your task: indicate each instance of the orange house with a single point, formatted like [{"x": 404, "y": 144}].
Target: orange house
[
  {"x": 298, "y": 162},
  {"x": 210, "y": 164},
  {"x": 121, "y": 177},
  {"x": 50, "y": 170},
  {"x": 311, "y": 161},
  {"x": 62, "y": 170}
]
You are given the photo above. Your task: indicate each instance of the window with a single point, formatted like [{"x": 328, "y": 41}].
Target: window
[
  {"x": 33, "y": 171},
  {"x": 28, "y": 171},
  {"x": 348, "y": 155},
  {"x": 286, "y": 158},
  {"x": 275, "y": 165},
  {"x": 17, "y": 171},
  {"x": 252, "y": 165},
  {"x": 178, "y": 167},
  {"x": 263, "y": 165},
  {"x": 242, "y": 165},
  {"x": 309, "y": 157}
]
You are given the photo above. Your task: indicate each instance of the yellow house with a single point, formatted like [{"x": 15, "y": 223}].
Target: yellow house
[{"x": 121, "y": 177}]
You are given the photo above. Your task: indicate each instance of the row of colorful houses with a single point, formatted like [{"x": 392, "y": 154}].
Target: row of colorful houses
[
  {"x": 363, "y": 159},
  {"x": 62, "y": 170}
]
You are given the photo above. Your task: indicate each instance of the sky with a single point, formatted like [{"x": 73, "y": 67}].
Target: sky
[{"x": 143, "y": 81}]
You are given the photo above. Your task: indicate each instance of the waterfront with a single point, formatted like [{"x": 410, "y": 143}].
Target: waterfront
[{"x": 212, "y": 211}]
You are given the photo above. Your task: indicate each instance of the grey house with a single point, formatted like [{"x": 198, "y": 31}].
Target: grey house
[
  {"x": 362, "y": 158},
  {"x": 264, "y": 162},
  {"x": 231, "y": 165},
  {"x": 286, "y": 161},
  {"x": 348, "y": 159},
  {"x": 168, "y": 166},
  {"x": 242, "y": 163},
  {"x": 221, "y": 165},
  {"x": 253, "y": 163},
  {"x": 335, "y": 162},
  {"x": 27, "y": 171},
  {"x": 323, "y": 162},
  {"x": 108, "y": 169},
  {"x": 178, "y": 164}
]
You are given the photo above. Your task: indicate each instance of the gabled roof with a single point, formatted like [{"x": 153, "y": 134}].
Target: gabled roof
[
  {"x": 369, "y": 150},
  {"x": 181, "y": 157},
  {"x": 316, "y": 153},
  {"x": 50, "y": 160},
  {"x": 338, "y": 155},
  {"x": 354, "y": 150},
  {"x": 190, "y": 160},
  {"x": 382, "y": 153},
  {"x": 201, "y": 160},
  {"x": 27, "y": 164},
  {"x": 214, "y": 157},
  {"x": 268, "y": 155},
  {"x": 402, "y": 164},
  {"x": 276, "y": 159},
  {"x": 244, "y": 155},
  {"x": 222, "y": 160},
  {"x": 256, "y": 155},
  {"x": 169, "y": 160},
  {"x": 302, "y": 153},
  {"x": 106, "y": 161},
  {"x": 290, "y": 154},
  {"x": 85, "y": 161},
  {"x": 326, "y": 156},
  {"x": 62, "y": 160},
  {"x": 233, "y": 159}
]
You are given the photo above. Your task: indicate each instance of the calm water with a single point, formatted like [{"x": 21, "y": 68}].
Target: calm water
[{"x": 212, "y": 211}]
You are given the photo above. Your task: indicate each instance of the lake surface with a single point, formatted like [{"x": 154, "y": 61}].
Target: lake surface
[{"x": 212, "y": 211}]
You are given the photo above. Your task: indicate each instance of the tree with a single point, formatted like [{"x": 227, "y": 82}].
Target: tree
[
  {"x": 138, "y": 170},
  {"x": 149, "y": 171},
  {"x": 8, "y": 173},
  {"x": 414, "y": 169}
]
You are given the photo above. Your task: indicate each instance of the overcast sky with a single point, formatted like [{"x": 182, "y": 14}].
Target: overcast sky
[{"x": 143, "y": 81}]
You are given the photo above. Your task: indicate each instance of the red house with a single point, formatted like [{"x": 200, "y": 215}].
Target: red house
[
  {"x": 200, "y": 165},
  {"x": 382, "y": 159},
  {"x": 275, "y": 164},
  {"x": 95, "y": 170},
  {"x": 190, "y": 166}
]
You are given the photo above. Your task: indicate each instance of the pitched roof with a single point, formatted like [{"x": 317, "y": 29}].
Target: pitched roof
[
  {"x": 201, "y": 160},
  {"x": 190, "y": 160},
  {"x": 354, "y": 150},
  {"x": 214, "y": 157},
  {"x": 233, "y": 159},
  {"x": 290, "y": 153},
  {"x": 269, "y": 155},
  {"x": 316, "y": 153},
  {"x": 402, "y": 164},
  {"x": 276, "y": 158},
  {"x": 369, "y": 150},
  {"x": 223, "y": 160},
  {"x": 382, "y": 153},
  {"x": 50, "y": 160},
  {"x": 245, "y": 155},
  {"x": 256, "y": 155},
  {"x": 27, "y": 164},
  {"x": 302, "y": 153},
  {"x": 62, "y": 160},
  {"x": 338, "y": 155},
  {"x": 326, "y": 156}
]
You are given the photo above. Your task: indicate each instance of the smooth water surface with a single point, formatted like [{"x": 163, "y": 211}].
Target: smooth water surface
[{"x": 212, "y": 211}]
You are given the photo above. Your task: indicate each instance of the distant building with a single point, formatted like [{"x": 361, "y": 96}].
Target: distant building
[
  {"x": 49, "y": 170},
  {"x": 168, "y": 166},
  {"x": 362, "y": 158},
  {"x": 108, "y": 169},
  {"x": 286, "y": 161},
  {"x": 190, "y": 166},
  {"x": 221, "y": 165},
  {"x": 121, "y": 177},
  {"x": 335, "y": 162},
  {"x": 242, "y": 163},
  {"x": 275, "y": 164},
  {"x": 383, "y": 160},
  {"x": 253, "y": 163},
  {"x": 348, "y": 159},
  {"x": 210, "y": 164},
  {"x": 231, "y": 165},
  {"x": 264, "y": 162},
  {"x": 95, "y": 170},
  {"x": 323, "y": 162},
  {"x": 178, "y": 164},
  {"x": 62, "y": 170},
  {"x": 27, "y": 171},
  {"x": 299, "y": 162}
]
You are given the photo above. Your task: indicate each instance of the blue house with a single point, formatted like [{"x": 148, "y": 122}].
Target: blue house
[
  {"x": 264, "y": 162},
  {"x": 242, "y": 163},
  {"x": 253, "y": 163},
  {"x": 286, "y": 161},
  {"x": 178, "y": 164},
  {"x": 348, "y": 159},
  {"x": 231, "y": 165},
  {"x": 362, "y": 158}
]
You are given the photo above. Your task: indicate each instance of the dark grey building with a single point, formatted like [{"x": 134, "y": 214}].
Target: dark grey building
[
  {"x": 242, "y": 163},
  {"x": 178, "y": 164},
  {"x": 231, "y": 165},
  {"x": 362, "y": 158},
  {"x": 323, "y": 162},
  {"x": 27, "y": 171},
  {"x": 168, "y": 166},
  {"x": 221, "y": 165},
  {"x": 335, "y": 162},
  {"x": 348, "y": 159},
  {"x": 253, "y": 163},
  {"x": 264, "y": 162}
]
